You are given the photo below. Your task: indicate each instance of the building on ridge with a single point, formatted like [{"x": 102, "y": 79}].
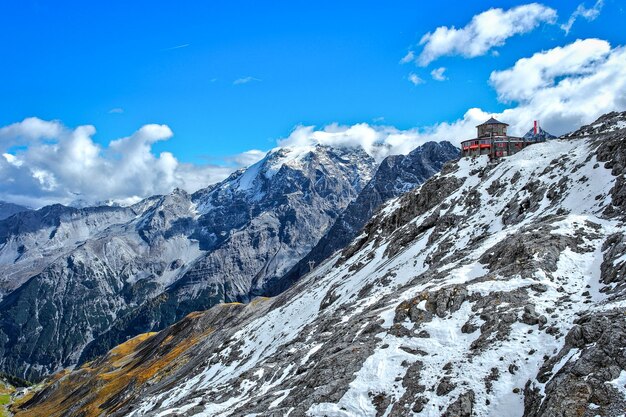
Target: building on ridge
[{"x": 492, "y": 139}]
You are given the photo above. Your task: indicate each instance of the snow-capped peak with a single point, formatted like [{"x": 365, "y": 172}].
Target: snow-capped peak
[{"x": 254, "y": 182}]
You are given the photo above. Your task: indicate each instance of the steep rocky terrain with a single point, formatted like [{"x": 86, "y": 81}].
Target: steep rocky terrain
[
  {"x": 67, "y": 273},
  {"x": 72, "y": 278},
  {"x": 494, "y": 289},
  {"x": 253, "y": 227},
  {"x": 396, "y": 175}
]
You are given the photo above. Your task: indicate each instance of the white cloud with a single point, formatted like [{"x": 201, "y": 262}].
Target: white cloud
[
  {"x": 375, "y": 140},
  {"x": 529, "y": 76},
  {"x": 415, "y": 79},
  {"x": 382, "y": 141},
  {"x": 409, "y": 57},
  {"x": 29, "y": 129},
  {"x": 581, "y": 11},
  {"x": 54, "y": 163},
  {"x": 485, "y": 31},
  {"x": 438, "y": 75},
  {"x": 246, "y": 158},
  {"x": 244, "y": 80},
  {"x": 116, "y": 110},
  {"x": 565, "y": 86}
]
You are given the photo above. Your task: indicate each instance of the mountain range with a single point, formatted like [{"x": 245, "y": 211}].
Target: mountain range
[
  {"x": 76, "y": 281},
  {"x": 493, "y": 289}
]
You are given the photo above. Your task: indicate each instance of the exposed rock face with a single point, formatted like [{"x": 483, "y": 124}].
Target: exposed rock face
[
  {"x": 68, "y": 273},
  {"x": 9, "y": 209},
  {"x": 93, "y": 277},
  {"x": 395, "y": 176},
  {"x": 476, "y": 294},
  {"x": 588, "y": 375},
  {"x": 32, "y": 240}
]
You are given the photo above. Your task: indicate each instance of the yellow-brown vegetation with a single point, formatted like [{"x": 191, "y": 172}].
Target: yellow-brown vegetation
[
  {"x": 107, "y": 384},
  {"x": 101, "y": 386}
]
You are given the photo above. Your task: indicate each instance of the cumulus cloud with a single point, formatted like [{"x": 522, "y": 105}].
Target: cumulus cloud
[
  {"x": 438, "y": 75},
  {"x": 382, "y": 141},
  {"x": 565, "y": 86},
  {"x": 43, "y": 162},
  {"x": 531, "y": 75},
  {"x": 373, "y": 139},
  {"x": 485, "y": 31},
  {"x": 581, "y": 11},
  {"x": 30, "y": 129},
  {"x": 415, "y": 79}
]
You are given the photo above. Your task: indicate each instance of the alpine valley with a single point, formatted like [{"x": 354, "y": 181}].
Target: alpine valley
[{"x": 494, "y": 288}]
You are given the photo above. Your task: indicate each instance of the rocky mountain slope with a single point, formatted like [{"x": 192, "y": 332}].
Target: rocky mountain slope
[
  {"x": 254, "y": 226},
  {"x": 9, "y": 209},
  {"x": 491, "y": 290},
  {"x": 67, "y": 274},
  {"x": 72, "y": 278},
  {"x": 396, "y": 175}
]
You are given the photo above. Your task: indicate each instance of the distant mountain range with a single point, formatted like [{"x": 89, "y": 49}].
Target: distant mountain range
[{"x": 9, "y": 209}]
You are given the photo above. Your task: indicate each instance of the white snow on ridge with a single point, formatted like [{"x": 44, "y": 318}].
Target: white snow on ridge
[{"x": 247, "y": 179}]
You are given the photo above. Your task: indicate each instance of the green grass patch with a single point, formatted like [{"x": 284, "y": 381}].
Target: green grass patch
[{"x": 5, "y": 399}]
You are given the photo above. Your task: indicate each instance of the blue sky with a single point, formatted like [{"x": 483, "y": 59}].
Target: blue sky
[
  {"x": 315, "y": 62},
  {"x": 229, "y": 76}
]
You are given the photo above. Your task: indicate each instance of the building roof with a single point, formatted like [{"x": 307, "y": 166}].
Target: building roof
[{"x": 492, "y": 121}]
